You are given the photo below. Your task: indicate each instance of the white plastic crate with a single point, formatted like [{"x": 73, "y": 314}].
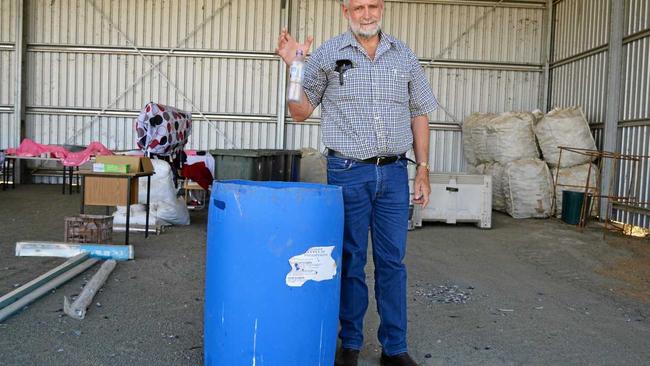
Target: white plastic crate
[{"x": 457, "y": 198}]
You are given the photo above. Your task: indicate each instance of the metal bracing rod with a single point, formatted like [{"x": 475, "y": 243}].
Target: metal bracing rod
[
  {"x": 454, "y": 42},
  {"x": 153, "y": 66}
]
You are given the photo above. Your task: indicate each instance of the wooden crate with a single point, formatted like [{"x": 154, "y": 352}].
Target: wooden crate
[{"x": 96, "y": 229}]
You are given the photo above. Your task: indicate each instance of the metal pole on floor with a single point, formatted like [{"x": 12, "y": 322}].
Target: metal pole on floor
[{"x": 614, "y": 73}]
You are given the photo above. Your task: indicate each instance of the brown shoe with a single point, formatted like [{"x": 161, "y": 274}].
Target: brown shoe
[
  {"x": 403, "y": 359},
  {"x": 346, "y": 357}
]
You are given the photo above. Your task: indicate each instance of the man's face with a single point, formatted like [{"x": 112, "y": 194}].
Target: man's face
[{"x": 364, "y": 16}]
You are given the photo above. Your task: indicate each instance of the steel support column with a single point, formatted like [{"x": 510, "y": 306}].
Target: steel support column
[
  {"x": 19, "y": 103},
  {"x": 549, "y": 32},
  {"x": 282, "y": 85},
  {"x": 614, "y": 72}
]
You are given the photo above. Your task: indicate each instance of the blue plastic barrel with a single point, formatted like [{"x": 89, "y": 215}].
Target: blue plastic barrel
[{"x": 272, "y": 274}]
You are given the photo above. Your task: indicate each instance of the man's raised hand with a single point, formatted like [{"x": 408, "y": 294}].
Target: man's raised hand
[{"x": 287, "y": 46}]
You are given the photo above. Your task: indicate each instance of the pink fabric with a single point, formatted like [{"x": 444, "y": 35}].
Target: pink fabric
[{"x": 30, "y": 148}]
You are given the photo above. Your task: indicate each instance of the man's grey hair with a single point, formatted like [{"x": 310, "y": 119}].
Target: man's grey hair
[{"x": 345, "y": 2}]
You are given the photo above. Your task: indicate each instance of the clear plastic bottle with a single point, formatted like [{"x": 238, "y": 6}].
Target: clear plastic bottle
[{"x": 296, "y": 73}]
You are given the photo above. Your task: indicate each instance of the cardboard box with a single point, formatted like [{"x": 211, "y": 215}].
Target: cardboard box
[
  {"x": 110, "y": 168},
  {"x": 136, "y": 163}
]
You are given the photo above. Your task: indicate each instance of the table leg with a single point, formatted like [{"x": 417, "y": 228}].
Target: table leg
[
  {"x": 128, "y": 208},
  {"x": 5, "y": 173},
  {"x": 13, "y": 173},
  {"x": 65, "y": 173},
  {"x": 146, "y": 222},
  {"x": 70, "y": 179},
  {"x": 83, "y": 186}
]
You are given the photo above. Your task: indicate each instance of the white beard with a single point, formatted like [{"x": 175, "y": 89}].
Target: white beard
[{"x": 356, "y": 29}]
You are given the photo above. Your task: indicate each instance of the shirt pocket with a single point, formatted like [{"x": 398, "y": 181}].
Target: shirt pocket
[
  {"x": 352, "y": 84},
  {"x": 393, "y": 84}
]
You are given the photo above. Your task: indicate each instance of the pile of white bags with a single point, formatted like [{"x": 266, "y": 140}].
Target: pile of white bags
[
  {"x": 491, "y": 141},
  {"x": 505, "y": 146},
  {"x": 164, "y": 206}
]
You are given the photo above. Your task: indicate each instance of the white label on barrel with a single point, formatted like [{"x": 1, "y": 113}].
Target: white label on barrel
[{"x": 316, "y": 264}]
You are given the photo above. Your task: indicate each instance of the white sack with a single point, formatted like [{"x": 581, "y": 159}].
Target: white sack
[
  {"x": 474, "y": 132},
  {"x": 495, "y": 170},
  {"x": 138, "y": 216},
  {"x": 527, "y": 185},
  {"x": 163, "y": 203},
  {"x": 313, "y": 166},
  {"x": 574, "y": 176},
  {"x": 174, "y": 212},
  {"x": 564, "y": 127},
  {"x": 510, "y": 137},
  {"x": 502, "y": 138}
]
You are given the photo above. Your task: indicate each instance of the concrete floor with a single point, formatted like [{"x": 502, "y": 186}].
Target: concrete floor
[{"x": 539, "y": 293}]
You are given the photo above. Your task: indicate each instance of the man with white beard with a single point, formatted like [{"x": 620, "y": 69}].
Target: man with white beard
[{"x": 375, "y": 99}]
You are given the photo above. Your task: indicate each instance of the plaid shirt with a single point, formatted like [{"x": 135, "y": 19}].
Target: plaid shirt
[{"x": 370, "y": 114}]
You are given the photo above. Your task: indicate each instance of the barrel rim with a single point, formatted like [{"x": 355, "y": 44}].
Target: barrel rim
[{"x": 276, "y": 184}]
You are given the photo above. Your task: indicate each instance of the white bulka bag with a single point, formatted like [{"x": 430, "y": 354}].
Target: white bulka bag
[
  {"x": 527, "y": 185},
  {"x": 574, "y": 179},
  {"x": 564, "y": 127},
  {"x": 475, "y": 138},
  {"x": 313, "y": 166},
  {"x": 510, "y": 137},
  {"x": 498, "y": 196}
]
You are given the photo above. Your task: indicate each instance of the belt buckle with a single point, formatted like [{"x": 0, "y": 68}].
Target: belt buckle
[{"x": 379, "y": 159}]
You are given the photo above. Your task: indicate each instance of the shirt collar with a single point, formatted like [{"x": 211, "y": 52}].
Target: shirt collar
[{"x": 385, "y": 40}]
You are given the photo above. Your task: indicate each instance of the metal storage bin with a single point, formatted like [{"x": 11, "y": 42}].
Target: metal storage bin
[{"x": 259, "y": 165}]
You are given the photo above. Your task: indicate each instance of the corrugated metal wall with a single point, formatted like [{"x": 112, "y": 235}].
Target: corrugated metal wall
[
  {"x": 81, "y": 61},
  {"x": 222, "y": 64},
  {"x": 579, "y": 77},
  {"x": 86, "y": 80},
  {"x": 478, "y": 57},
  {"x": 579, "y": 57},
  {"x": 8, "y": 129}
]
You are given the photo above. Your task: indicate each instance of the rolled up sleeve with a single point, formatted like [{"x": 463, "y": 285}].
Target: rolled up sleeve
[
  {"x": 422, "y": 101},
  {"x": 315, "y": 79}
]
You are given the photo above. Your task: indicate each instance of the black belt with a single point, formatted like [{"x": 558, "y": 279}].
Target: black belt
[{"x": 376, "y": 160}]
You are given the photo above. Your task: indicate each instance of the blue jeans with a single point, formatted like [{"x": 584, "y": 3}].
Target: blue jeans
[{"x": 376, "y": 197}]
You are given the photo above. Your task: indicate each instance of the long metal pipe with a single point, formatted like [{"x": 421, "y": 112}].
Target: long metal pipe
[
  {"x": 505, "y": 4},
  {"x": 135, "y": 113}
]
